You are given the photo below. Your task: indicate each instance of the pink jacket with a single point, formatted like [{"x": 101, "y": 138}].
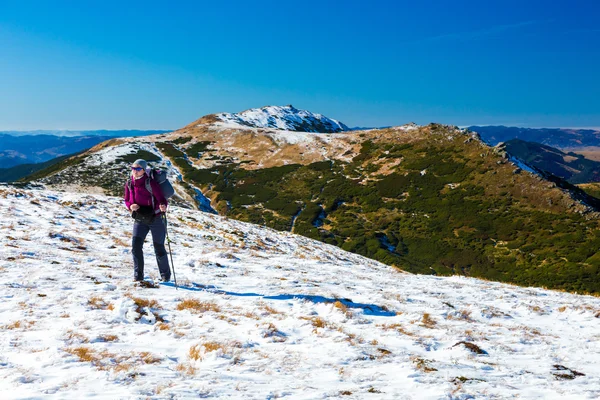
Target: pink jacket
[{"x": 141, "y": 196}]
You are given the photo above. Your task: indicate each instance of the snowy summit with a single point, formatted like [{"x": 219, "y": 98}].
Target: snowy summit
[
  {"x": 285, "y": 118},
  {"x": 261, "y": 314}
]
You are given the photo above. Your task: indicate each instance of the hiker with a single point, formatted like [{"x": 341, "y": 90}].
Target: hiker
[{"x": 146, "y": 207}]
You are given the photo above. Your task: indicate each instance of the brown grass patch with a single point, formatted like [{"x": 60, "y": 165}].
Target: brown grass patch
[
  {"x": 195, "y": 353},
  {"x": 185, "y": 369},
  {"x": 397, "y": 327},
  {"x": 163, "y": 326},
  {"x": 19, "y": 325},
  {"x": 72, "y": 337},
  {"x": 275, "y": 334},
  {"x": 120, "y": 242},
  {"x": 98, "y": 303},
  {"x": 462, "y": 315},
  {"x": 149, "y": 358},
  {"x": 198, "y": 351},
  {"x": 108, "y": 338},
  {"x": 270, "y": 310},
  {"x": 146, "y": 307},
  {"x": 144, "y": 302},
  {"x": 354, "y": 339},
  {"x": 104, "y": 360},
  {"x": 198, "y": 306},
  {"x": 14, "y": 325},
  {"x": 343, "y": 308},
  {"x": 84, "y": 354},
  {"x": 317, "y": 322},
  {"x": 427, "y": 321},
  {"x": 250, "y": 315},
  {"x": 422, "y": 364}
]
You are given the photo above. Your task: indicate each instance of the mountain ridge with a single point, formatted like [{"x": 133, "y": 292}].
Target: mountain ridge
[
  {"x": 286, "y": 118},
  {"x": 427, "y": 199}
]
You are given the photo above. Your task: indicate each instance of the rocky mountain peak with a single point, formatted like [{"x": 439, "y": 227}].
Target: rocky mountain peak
[{"x": 286, "y": 118}]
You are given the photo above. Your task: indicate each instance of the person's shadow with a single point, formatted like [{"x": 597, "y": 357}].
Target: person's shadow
[{"x": 369, "y": 309}]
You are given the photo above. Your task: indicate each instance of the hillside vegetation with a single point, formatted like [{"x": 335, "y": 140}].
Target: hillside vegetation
[{"x": 432, "y": 200}]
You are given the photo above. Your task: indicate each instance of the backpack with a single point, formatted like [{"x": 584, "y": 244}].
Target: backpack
[{"x": 161, "y": 178}]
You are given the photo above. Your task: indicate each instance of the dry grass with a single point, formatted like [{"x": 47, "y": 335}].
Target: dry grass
[
  {"x": 163, "y": 326},
  {"x": 98, "y": 303},
  {"x": 19, "y": 325},
  {"x": 270, "y": 310},
  {"x": 149, "y": 358},
  {"x": 343, "y": 308},
  {"x": 354, "y": 339},
  {"x": 275, "y": 334},
  {"x": 538, "y": 310},
  {"x": 317, "y": 322},
  {"x": 104, "y": 360},
  {"x": 85, "y": 354},
  {"x": 143, "y": 303},
  {"x": 120, "y": 242},
  {"x": 427, "y": 321},
  {"x": 199, "y": 351},
  {"x": 146, "y": 307},
  {"x": 198, "y": 306},
  {"x": 14, "y": 325},
  {"x": 72, "y": 337},
  {"x": 462, "y": 315},
  {"x": 108, "y": 338},
  {"x": 250, "y": 315},
  {"x": 397, "y": 327},
  {"x": 422, "y": 364},
  {"x": 195, "y": 353},
  {"x": 185, "y": 369}
]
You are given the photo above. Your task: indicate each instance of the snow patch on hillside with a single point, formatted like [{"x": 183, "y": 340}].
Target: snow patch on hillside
[{"x": 286, "y": 118}]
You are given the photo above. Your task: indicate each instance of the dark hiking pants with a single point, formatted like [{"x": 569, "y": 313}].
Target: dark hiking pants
[{"x": 140, "y": 231}]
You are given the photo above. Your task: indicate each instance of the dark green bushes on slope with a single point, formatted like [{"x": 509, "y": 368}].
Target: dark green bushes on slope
[{"x": 429, "y": 215}]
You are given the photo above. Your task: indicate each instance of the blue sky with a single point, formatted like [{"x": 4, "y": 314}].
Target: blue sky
[{"x": 161, "y": 65}]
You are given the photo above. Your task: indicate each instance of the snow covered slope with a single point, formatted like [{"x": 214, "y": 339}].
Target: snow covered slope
[
  {"x": 262, "y": 314},
  {"x": 284, "y": 118}
]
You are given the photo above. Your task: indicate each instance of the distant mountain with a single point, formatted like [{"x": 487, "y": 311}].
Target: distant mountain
[
  {"x": 572, "y": 167},
  {"x": 19, "y": 148},
  {"x": 17, "y": 172},
  {"x": 286, "y": 118},
  {"x": 560, "y": 138},
  {"x": 99, "y": 132},
  {"x": 429, "y": 199}
]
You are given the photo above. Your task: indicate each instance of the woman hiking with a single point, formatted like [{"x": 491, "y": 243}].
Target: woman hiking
[{"x": 145, "y": 206}]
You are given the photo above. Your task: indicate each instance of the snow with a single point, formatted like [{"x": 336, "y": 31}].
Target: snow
[
  {"x": 276, "y": 315},
  {"x": 285, "y": 118},
  {"x": 520, "y": 164}
]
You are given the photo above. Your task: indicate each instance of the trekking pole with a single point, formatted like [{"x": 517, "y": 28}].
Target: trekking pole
[{"x": 170, "y": 253}]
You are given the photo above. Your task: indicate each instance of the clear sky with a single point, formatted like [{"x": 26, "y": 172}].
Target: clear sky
[{"x": 163, "y": 64}]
